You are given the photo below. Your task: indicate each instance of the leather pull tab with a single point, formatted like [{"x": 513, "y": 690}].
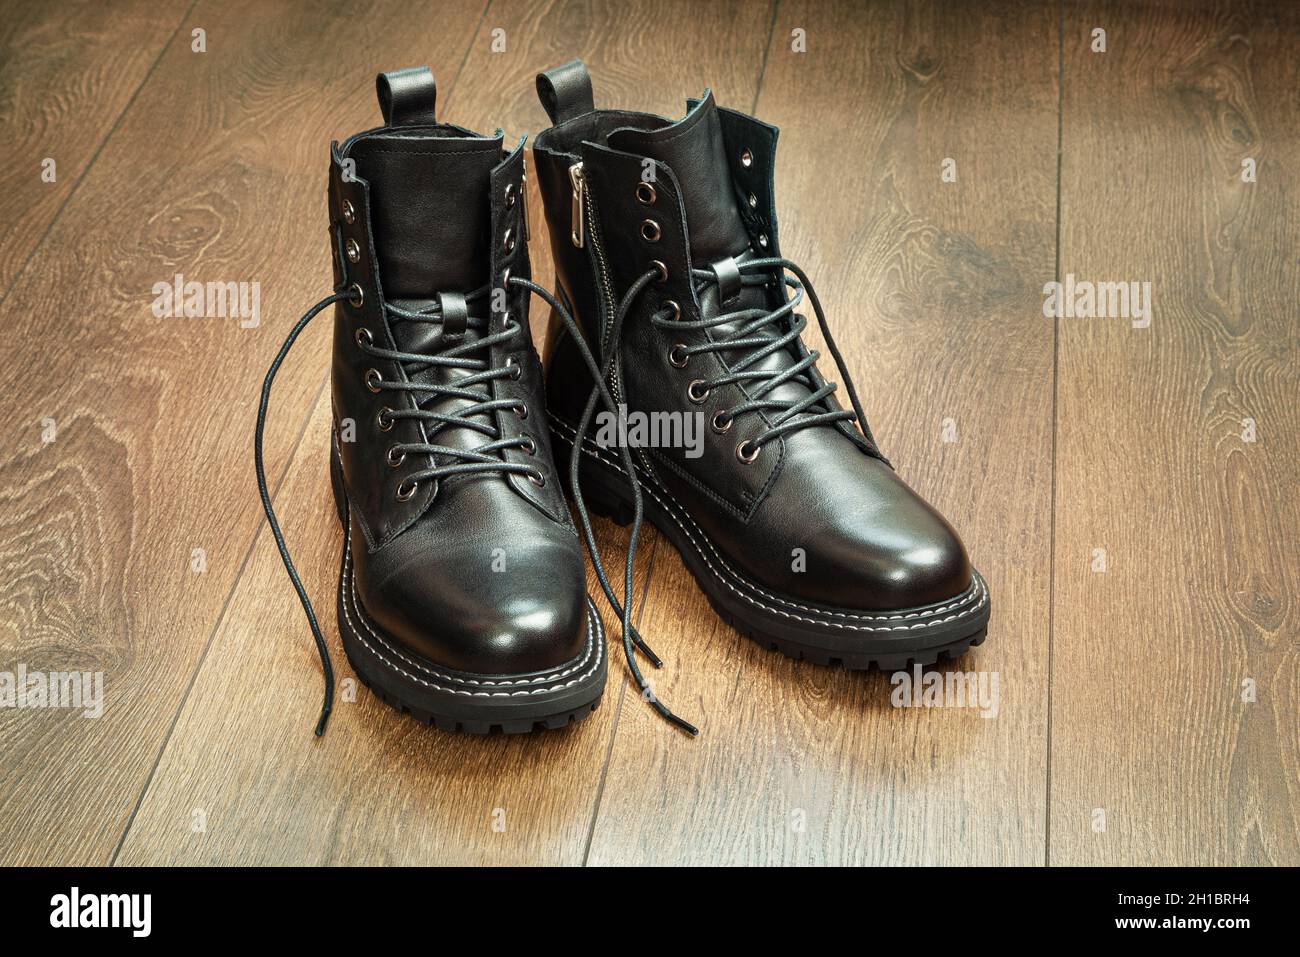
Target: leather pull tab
[
  {"x": 455, "y": 314},
  {"x": 565, "y": 91},
  {"x": 407, "y": 97}
]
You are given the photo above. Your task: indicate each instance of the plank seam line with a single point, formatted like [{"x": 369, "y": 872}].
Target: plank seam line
[
  {"x": 618, "y": 713},
  {"x": 762, "y": 67},
  {"x": 216, "y": 627},
  {"x": 469, "y": 48},
  {"x": 1056, "y": 390}
]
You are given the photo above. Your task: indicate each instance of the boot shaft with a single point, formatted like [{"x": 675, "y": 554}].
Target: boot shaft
[
  {"x": 425, "y": 218},
  {"x": 608, "y": 165},
  {"x": 693, "y": 201}
]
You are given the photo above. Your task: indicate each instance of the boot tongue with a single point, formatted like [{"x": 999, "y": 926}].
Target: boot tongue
[
  {"x": 430, "y": 208},
  {"x": 431, "y": 219},
  {"x": 693, "y": 149}
]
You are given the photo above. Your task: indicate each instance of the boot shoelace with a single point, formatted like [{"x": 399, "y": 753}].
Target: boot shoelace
[
  {"x": 632, "y": 641},
  {"x": 459, "y": 355},
  {"x": 761, "y": 334},
  {"x": 484, "y": 458},
  {"x": 752, "y": 335},
  {"x": 477, "y": 460}
]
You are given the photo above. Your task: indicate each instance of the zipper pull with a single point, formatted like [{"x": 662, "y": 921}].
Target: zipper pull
[{"x": 579, "y": 188}]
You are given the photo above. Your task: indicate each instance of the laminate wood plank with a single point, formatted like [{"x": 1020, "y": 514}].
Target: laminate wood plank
[
  {"x": 380, "y": 788},
  {"x": 644, "y": 56},
  {"x": 217, "y": 173},
  {"x": 933, "y": 290},
  {"x": 67, "y": 72},
  {"x": 1156, "y": 756}
]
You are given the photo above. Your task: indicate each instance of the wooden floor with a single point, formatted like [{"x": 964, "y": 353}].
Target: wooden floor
[{"x": 1147, "y": 713}]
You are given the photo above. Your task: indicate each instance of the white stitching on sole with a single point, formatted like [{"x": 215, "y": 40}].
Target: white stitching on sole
[
  {"x": 598, "y": 640},
  {"x": 977, "y": 587}
]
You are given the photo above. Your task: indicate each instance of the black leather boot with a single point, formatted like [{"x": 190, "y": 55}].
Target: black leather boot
[
  {"x": 793, "y": 523},
  {"x": 462, "y": 594}
]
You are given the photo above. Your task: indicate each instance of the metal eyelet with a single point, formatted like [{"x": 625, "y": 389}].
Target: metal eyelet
[
  {"x": 406, "y": 491},
  {"x": 356, "y": 296},
  {"x": 364, "y": 338},
  {"x": 677, "y": 356},
  {"x": 531, "y": 447},
  {"x": 753, "y": 201},
  {"x": 349, "y": 212},
  {"x": 662, "y": 270},
  {"x": 650, "y": 231},
  {"x": 373, "y": 379},
  {"x": 521, "y": 410},
  {"x": 721, "y": 423},
  {"x": 516, "y": 370},
  {"x": 746, "y": 159},
  {"x": 762, "y": 240},
  {"x": 398, "y": 459},
  {"x": 677, "y": 310},
  {"x": 510, "y": 195},
  {"x": 539, "y": 479},
  {"x": 508, "y": 241},
  {"x": 645, "y": 194},
  {"x": 747, "y": 457},
  {"x": 353, "y": 250},
  {"x": 383, "y": 421},
  {"x": 697, "y": 391}
]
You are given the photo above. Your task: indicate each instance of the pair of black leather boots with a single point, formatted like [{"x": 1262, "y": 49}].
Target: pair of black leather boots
[{"x": 462, "y": 595}]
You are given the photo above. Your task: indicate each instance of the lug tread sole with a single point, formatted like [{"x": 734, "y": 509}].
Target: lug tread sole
[{"x": 555, "y": 722}]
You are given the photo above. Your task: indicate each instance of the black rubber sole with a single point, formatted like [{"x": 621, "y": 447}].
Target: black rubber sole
[
  {"x": 518, "y": 725},
  {"x": 856, "y": 640},
  {"x": 458, "y": 701}
]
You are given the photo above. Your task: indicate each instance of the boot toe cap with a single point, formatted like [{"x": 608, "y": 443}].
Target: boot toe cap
[
  {"x": 456, "y": 610},
  {"x": 921, "y": 562},
  {"x": 869, "y": 543}
]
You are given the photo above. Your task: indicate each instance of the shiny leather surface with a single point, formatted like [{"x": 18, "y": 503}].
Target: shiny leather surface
[
  {"x": 554, "y": 151},
  {"x": 475, "y": 573},
  {"x": 695, "y": 152},
  {"x": 428, "y": 236},
  {"x": 867, "y": 540}
]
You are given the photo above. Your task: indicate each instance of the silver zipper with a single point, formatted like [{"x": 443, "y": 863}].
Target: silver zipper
[
  {"x": 602, "y": 268},
  {"x": 523, "y": 198},
  {"x": 579, "y": 191},
  {"x": 588, "y": 213}
]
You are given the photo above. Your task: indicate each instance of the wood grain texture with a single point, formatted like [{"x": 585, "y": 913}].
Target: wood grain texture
[
  {"x": 649, "y": 55},
  {"x": 1119, "y": 691},
  {"x": 1198, "y": 526},
  {"x": 380, "y": 788},
  {"x": 67, "y": 72},
  {"x": 932, "y": 288},
  {"x": 216, "y": 173}
]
